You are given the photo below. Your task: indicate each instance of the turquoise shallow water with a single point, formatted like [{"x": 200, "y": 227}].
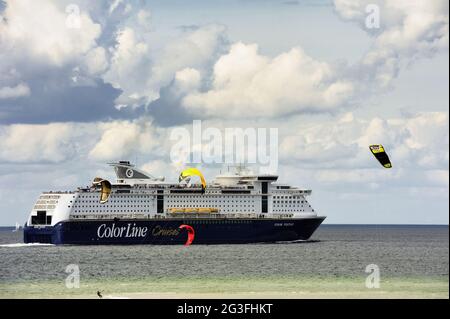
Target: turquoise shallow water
[{"x": 335, "y": 250}]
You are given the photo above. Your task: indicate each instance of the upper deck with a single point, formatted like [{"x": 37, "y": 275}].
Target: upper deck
[{"x": 240, "y": 181}]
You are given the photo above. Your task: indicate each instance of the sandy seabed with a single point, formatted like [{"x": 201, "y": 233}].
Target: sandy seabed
[{"x": 227, "y": 288}]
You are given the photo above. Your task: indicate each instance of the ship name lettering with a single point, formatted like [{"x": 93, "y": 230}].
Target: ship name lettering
[
  {"x": 160, "y": 231},
  {"x": 113, "y": 231}
]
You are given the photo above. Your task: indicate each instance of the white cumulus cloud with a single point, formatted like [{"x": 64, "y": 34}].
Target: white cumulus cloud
[
  {"x": 420, "y": 141},
  {"x": 246, "y": 83},
  {"x": 408, "y": 30},
  {"x": 141, "y": 71},
  {"x": 24, "y": 143},
  {"x": 19, "y": 90},
  {"x": 124, "y": 139},
  {"x": 40, "y": 29}
]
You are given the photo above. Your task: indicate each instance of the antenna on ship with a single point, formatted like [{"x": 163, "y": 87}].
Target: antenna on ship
[{"x": 240, "y": 168}]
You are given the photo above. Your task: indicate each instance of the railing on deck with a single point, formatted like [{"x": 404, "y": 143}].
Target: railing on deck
[{"x": 179, "y": 215}]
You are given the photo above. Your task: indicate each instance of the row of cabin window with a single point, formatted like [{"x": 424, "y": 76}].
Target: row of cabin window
[
  {"x": 109, "y": 206},
  {"x": 200, "y": 206},
  {"x": 288, "y": 206},
  {"x": 135, "y": 211},
  {"x": 287, "y": 197},
  {"x": 208, "y": 201},
  {"x": 113, "y": 195},
  {"x": 201, "y": 196},
  {"x": 112, "y": 200},
  {"x": 285, "y": 210},
  {"x": 112, "y": 211},
  {"x": 290, "y": 202}
]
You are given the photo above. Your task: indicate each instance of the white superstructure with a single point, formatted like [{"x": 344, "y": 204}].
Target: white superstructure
[{"x": 139, "y": 195}]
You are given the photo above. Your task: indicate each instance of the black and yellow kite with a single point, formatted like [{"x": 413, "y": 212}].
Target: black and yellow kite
[
  {"x": 380, "y": 154},
  {"x": 187, "y": 173},
  {"x": 105, "y": 188}
]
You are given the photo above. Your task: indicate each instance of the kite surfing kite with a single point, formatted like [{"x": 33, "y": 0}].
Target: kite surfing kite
[
  {"x": 380, "y": 154},
  {"x": 191, "y": 234},
  {"x": 105, "y": 188},
  {"x": 187, "y": 173}
]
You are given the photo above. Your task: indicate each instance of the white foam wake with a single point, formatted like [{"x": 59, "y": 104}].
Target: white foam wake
[{"x": 24, "y": 245}]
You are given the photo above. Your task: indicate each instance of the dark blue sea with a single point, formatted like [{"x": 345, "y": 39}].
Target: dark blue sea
[{"x": 334, "y": 250}]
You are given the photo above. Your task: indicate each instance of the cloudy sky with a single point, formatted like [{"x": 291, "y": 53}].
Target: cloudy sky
[{"x": 86, "y": 82}]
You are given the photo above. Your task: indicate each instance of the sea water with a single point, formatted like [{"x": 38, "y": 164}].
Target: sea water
[{"x": 334, "y": 250}]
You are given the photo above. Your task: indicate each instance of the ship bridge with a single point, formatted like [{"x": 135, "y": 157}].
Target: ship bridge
[{"x": 242, "y": 175}]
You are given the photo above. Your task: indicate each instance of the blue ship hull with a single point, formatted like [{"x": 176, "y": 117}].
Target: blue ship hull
[{"x": 167, "y": 231}]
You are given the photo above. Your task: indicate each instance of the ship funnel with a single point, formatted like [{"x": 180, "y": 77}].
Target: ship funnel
[{"x": 126, "y": 171}]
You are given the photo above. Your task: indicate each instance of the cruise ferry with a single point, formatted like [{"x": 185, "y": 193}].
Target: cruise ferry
[{"x": 236, "y": 208}]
